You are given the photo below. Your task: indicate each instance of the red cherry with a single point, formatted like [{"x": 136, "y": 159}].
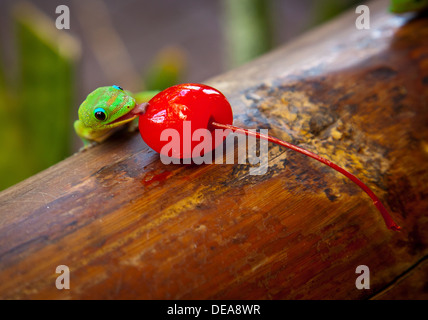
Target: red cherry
[
  {"x": 197, "y": 103},
  {"x": 207, "y": 108}
]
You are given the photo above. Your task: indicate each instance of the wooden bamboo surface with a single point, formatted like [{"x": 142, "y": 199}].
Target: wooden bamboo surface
[{"x": 130, "y": 227}]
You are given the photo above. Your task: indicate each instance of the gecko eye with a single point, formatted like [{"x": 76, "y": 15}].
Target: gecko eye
[
  {"x": 117, "y": 87},
  {"x": 100, "y": 114}
]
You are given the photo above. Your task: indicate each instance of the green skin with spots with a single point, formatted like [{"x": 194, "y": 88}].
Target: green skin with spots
[
  {"x": 118, "y": 106},
  {"x": 401, "y": 6}
]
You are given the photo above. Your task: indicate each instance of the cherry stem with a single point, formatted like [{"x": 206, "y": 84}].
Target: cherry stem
[{"x": 388, "y": 220}]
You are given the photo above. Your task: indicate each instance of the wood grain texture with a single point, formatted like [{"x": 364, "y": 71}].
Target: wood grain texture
[{"x": 130, "y": 227}]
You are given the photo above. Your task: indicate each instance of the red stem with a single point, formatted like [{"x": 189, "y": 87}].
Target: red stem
[{"x": 388, "y": 220}]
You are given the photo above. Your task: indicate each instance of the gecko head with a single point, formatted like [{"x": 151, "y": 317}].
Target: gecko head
[{"x": 107, "y": 107}]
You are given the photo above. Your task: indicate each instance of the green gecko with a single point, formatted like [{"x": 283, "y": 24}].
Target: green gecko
[
  {"x": 401, "y": 6},
  {"x": 105, "y": 110}
]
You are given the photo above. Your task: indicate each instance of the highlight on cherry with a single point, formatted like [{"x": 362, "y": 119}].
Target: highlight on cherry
[{"x": 189, "y": 121}]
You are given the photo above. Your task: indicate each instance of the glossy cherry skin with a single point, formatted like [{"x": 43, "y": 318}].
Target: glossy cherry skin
[{"x": 197, "y": 103}]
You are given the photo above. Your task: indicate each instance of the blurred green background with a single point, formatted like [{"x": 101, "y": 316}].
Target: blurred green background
[{"x": 46, "y": 73}]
